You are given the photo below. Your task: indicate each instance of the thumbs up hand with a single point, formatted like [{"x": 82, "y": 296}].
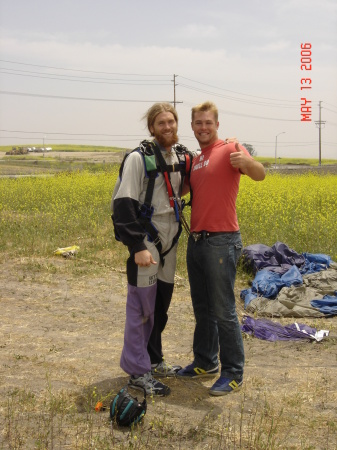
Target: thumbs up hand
[
  {"x": 246, "y": 164},
  {"x": 239, "y": 158}
]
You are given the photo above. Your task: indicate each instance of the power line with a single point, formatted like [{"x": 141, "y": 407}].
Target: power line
[
  {"x": 333, "y": 106},
  {"x": 234, "y": 92},
  {"x": 50, "y": 133},
  {"x": 68, "y": 134},
  {"x": 236, "y": 99},
  {"x": 76, "y": 79},
  {"x": 26, "y": 94},
  {"x": 83, "y": 71},
  {"x": 153, "y": 75},
  {"x": 327, "y": 109},
  {"x": 142, "y": 83},
  {"x": 248, "y": 115}
]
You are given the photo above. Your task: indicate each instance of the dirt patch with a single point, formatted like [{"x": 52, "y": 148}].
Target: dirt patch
[
  {"x": 62, "y": 332},
  {"x": 100, "y": 157},
  {"x": 298, "y": 169}
]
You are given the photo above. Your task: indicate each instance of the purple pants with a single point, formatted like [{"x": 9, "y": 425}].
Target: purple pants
[
  {"x": 149, "y": 295},
  {"x": 140, "y": 307}
]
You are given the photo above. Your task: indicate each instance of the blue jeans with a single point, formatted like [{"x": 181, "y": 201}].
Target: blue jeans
[{"x": 211, "y": 264}]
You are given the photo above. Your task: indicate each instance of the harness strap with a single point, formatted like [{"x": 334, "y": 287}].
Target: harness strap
[
  {"x": 146, "y": 210},
  {"x": 173, "y": 168},
  {"x": 188, "y": 166},
  {"x": 163, "y": 167},
  {"x": 150, "y": 188}
]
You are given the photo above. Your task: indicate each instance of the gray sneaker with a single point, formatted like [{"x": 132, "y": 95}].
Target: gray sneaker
[
  {"x": 164, "y": 370},
  {"x": 151, "y": 386}
]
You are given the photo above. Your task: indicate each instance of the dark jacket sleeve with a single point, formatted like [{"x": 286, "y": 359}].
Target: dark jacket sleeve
[{"x": 126, "y": 204}]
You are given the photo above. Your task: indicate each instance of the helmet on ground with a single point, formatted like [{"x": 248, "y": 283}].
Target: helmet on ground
[{"x": 127, "y": 410}]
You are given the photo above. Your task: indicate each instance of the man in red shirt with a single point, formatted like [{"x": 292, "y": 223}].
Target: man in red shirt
[{"x": 214, "y": 248}]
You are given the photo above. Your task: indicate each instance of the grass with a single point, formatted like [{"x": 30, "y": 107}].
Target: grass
[
  {"x": 259, "y": 421},
  {"x": 39, "y": 215}
]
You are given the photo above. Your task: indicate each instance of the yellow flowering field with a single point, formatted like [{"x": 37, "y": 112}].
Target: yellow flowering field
[
  {"x": 40, "y": 214},
  {"x": 299, "y": 210}
]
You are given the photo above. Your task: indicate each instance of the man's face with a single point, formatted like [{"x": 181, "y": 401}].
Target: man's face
[
  {"x": 164, "y": 129},
  {"x": 205, "y": 128}
]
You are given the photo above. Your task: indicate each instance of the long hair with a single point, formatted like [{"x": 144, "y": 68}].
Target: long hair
[{"x": 156, "y": 109}]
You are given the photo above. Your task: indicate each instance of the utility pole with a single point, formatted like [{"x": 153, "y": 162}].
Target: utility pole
[
  {"x": 174, "y": 91},
  {"x": 319, "y": 123},
  {"x": 282, "y": 132}
]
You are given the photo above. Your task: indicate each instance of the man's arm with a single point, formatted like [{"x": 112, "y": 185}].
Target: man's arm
[
  {"x": 126, "y": 204},
  {"x": 186, "y": 184},
  {"x": 246, "y": 164}
]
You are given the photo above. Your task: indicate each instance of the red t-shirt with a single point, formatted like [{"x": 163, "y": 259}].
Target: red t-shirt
[{"x": 215, "y": 185}]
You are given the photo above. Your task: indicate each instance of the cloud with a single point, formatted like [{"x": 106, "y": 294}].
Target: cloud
[
  {"x": 117, "y": 58},
  {"x": 307, "y": 5},
  {"x": 197, "y": 31},
  {"x": 273, "y": 47}
]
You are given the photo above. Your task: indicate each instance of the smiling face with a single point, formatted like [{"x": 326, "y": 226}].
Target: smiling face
[
  {"x": 164, "y": 129},
  {"x": 205, "y": 128}
]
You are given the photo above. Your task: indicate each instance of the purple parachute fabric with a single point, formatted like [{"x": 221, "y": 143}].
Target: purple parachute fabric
[
  {"x": 280, "y": 258},
  {"x": 273, "y": 331}
]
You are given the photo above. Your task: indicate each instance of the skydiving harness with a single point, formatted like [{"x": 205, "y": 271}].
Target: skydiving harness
[{"x": 151, "y": 154}]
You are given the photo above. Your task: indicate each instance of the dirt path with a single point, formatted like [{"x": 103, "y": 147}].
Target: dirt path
[{"x": 64, "y": 332}]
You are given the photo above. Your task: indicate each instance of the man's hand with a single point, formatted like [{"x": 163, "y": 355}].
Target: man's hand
[
  {"x": 239, "y": 158},
  {"x": 247, "y": 165},
  {"x": 144, "y": 258},
  {"x": 232, "y": 139}
]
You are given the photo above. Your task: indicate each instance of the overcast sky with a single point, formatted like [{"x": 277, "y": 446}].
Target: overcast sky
[{"x": 85, "y": 72}]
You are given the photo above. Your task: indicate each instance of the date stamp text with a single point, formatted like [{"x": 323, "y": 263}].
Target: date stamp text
[{"x": 306, "y": 65}]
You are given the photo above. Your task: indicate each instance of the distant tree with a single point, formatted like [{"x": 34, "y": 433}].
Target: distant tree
[{"x": 250, "y": 149}]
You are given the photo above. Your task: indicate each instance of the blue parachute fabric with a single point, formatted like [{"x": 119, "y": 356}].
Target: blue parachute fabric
[
  {"x": 292, "y": 277},
  {"x": 319, "y": 258},
  {"x": 315, "y": 263},
  {"x": 247, "y": 296},
  {"x": 326, "y": 305},
  {"x": 268, "y": 284},
  {"x": 278, "y": 266},
  {"x": 273, "y": 331}
]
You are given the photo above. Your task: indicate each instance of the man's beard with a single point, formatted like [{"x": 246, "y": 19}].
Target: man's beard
[{"x": 167, "y": 141}]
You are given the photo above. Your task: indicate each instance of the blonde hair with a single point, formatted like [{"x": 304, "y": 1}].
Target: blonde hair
[
  {"x": 206, "y": 106},
  {"x": 156, "y": 109}
]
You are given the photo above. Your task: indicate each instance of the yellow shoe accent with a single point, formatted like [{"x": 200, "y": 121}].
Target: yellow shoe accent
[
  {"x": 234, "y": 385},
  {"x": 199, "y": 371}
]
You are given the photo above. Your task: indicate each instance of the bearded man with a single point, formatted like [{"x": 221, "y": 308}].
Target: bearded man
[{"x": 150, "y": 267}]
